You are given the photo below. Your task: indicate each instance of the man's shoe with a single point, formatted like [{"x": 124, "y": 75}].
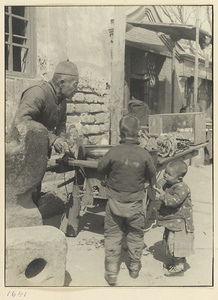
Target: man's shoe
[{"x": 111, "y": 279}]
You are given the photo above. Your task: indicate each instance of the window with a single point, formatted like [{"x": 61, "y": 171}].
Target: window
[{"x": 18, "y": 40}]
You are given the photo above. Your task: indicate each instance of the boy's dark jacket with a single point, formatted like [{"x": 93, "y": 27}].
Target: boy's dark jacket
[{"x": 127, "y": 166}]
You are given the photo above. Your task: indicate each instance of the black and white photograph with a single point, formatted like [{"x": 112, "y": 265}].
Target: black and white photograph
[{"x": 108, "y": 147}]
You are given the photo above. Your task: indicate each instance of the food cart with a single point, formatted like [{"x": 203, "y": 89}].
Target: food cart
[{"x": 89, "y": 186}]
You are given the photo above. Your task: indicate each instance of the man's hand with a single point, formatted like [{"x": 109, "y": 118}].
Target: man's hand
[{"x": 58, "y": 145}]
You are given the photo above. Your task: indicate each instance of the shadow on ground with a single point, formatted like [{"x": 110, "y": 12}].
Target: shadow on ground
[
  {"x": 68, "y": 279},
  {"x": 92, "y": 220},
  {"x": 53, "y": 221},
  {"x": 158, "y": 250}
]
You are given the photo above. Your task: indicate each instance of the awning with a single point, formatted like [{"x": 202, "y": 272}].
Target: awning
[
  {"x": 146, "y": 40},
  {"x": 176, "y": 31}
]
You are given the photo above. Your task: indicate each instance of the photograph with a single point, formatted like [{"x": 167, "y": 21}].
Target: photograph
[{"x": 108, "y": 147}]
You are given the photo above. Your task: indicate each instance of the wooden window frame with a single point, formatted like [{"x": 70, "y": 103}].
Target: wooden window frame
[{"x": 30, "y": 45}]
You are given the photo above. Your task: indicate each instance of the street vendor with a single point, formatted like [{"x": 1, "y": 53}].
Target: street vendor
[{"x": 45, "y": 103}]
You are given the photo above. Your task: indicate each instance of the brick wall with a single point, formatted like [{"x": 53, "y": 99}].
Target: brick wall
[{"x": 89, "y": 112}]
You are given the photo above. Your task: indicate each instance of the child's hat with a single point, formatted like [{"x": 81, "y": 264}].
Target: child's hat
[{"x": 129, "y": 126}]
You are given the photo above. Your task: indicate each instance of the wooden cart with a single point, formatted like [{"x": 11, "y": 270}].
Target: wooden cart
[{"x": 88, "y": 185}]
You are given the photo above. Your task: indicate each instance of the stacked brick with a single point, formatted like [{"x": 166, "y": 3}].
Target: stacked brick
[{"x": 89, "y": 113}]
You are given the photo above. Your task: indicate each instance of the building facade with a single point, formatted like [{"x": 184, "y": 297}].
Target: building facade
[{"x": 37, "y": 38}]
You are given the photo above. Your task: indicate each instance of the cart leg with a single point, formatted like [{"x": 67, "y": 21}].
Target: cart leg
[{"x": 70, "y": 221}]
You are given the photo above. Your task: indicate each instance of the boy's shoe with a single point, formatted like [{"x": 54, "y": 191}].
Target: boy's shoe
[
  {"x": 111, "y": 279},
  {"x": 170, "y": 271},
  {"x": 134, "y": 269},
  {"x": 134, "y": 274}
]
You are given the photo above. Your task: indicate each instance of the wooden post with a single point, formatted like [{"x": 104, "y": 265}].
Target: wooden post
[
  {"x": 173, "y": 75},
  {"x": 127, "y": 80},
  {"x": 196, "y": 62},
  {"x": 117, "y": 74}
]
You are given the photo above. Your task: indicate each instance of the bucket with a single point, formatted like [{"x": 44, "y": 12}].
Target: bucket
[{"x": 93, "y": 151}]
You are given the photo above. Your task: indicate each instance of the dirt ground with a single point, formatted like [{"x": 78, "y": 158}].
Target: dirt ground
[{"x": 85, "y": 257}]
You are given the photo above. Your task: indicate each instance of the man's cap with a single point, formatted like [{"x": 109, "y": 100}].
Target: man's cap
[{"x": 67, "y": 68}]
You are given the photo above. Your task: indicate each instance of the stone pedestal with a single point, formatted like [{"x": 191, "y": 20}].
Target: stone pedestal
[
  {"x": 26, "y": 161},
  {"x": 35, "y": 256}
]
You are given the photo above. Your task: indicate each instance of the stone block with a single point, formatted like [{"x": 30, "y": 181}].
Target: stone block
[
  {"x": 81, "y": 108},
  {"x": 79, "y": 97},
  {"x": 101, "y": 118},
  {"x": 94, "y": 129},
  {"x": 85, "y": 89},
  {"x": 95, "y": 140},
  {"x": 100, "y": 100},
  {"x": 95, "y": 108},
  {"x": 26, "y": 156},
  {"x": 26, "y": 160},
  {"x": 72, "y": 119},
  {"x": 23, "y": 213},
  {"x": 71, "y": 108},
  {"x": 104, "y": 127},
  {"x": 88, "y": 119},
  {"x": 86, "y": 129},
  {"x": 90, "y": 98},
  {"x": 104, "y": 108},
  {"x": 35, "y": 256}
]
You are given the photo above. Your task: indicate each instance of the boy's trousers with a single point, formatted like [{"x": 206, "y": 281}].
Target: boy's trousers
[{"x": 115, "y": 228}]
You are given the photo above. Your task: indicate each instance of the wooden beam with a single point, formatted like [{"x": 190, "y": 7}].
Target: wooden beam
[
  {"x": 117, "y": 73},
  {"x": 196, "y": 61},
  {"x": 173, "y": 76}
]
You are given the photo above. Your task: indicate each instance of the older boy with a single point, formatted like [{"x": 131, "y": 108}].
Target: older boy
[{"x": 127, "y": 167}]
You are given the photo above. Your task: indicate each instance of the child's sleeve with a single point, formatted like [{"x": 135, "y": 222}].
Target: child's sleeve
[
  {"x": 104, "y": 164},
  {"x": 150, "y": 169},
  {"x": 175, "y": 197},
  {"x": 160, "y": 183}
]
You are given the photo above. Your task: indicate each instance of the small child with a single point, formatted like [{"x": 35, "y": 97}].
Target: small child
[
  {"x": 175, "y": 214},
  {"x": 127, "y": 167}
]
